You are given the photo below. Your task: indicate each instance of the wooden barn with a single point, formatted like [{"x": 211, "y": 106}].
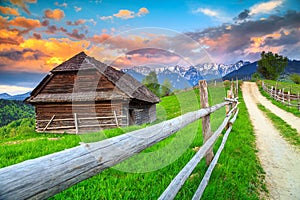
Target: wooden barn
[{"x": 83, "y": 94}]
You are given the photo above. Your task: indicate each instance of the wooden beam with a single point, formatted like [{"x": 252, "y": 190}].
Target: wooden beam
[
  {"x": 76, "y": 123},
  {"x": 116, "y": 119},
  {"x": 49, "y": 123},
  {"x": 46, "y": 176},
  {"x": 206, "y": 128}
]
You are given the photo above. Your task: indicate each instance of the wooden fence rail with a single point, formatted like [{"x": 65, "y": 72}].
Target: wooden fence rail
[
  {"x": 285, "y": 97},
  {"x": 46, "y": 176}
]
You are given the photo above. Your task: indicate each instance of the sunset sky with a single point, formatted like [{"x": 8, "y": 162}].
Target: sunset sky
[{"x": 37, "y": 35}]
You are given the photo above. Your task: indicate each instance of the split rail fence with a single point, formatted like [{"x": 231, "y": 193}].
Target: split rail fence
[
  {"x": 46, "y": 176},
  {"x": 282, "y": 95}
]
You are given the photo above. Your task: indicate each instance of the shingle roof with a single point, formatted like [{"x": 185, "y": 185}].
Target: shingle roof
[{"x": 127, "y": 84}]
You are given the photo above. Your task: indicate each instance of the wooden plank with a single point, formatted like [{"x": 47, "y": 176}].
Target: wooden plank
[
  {"x": 76, "y": 123},
  {"x": 206, "y": 128},
  {"x": 116, "y": 119},
  {"x": 46, "y": 176},
  {"x": 182, "y": 176},
  {"x": 49, "y": 123},
  {"x": 205, "y": 179}
]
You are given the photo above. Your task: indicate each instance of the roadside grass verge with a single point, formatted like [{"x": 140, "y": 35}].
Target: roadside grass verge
[
  {"x": 285, "y": 129},
  {"x": 238, "y": 174},
  {"x": 293, "y": 87},
  {"x": 292, "y": 110}
]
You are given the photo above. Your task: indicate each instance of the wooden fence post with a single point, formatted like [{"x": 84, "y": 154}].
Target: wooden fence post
[
  {"x": 283, "y": 95},
  {"x": 298, "y": 101},
  {"x": 76, "y": 123},
  {"x": 206, "y": 128},
  {"x": 237, "y": 87},
  {"x": 272, "y": 92},
  {"x": 289, "y": 98},
  {"x": 231, "y": 88}
]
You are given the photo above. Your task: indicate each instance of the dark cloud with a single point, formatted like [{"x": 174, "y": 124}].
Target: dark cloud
[
  {"x": 45, "y": 22},
  {"x": 234, "y": 38},
  {"x": 76, "y": 35},
  {"x": 243, "y": 15},
  {"x": 151, "y": 52},
  {"x": 37, "y": 36},
  {"x": 285, "y": 39},
  {"x": 19, "y": 55},
  {"x": 8, "y": 41},
  {"x": 76, "y": 23},
  {"x": 23, "y": 79},
  {"x": 53, "y": 29}
]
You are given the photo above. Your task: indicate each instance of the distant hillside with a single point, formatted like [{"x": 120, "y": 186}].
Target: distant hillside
[
  {"x": 246, "y": 71},
  {"x": 19, "y": 97},
  {"x": 11, "y": 110}
]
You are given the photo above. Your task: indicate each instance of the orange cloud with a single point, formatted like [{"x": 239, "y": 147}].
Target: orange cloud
[
  {"x": 3, "y": 22},
  {"x": 10, "y": 37},
  {"x": 9, "y": 11},
  {"x": 25, "y": 23},
  {"x": 56, "y": 14},
  {"x": 143, "y": 11},
  {"x": 22, "y": 4},
  {"x": 124, "y": 14},
  {"x": 36, "y": 54},
  {"x": 100, "y": 38},
  {"x": 258, "y": 44}
]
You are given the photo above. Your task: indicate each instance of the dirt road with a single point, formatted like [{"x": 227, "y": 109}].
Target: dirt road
[{"x": 280, "y": 161}]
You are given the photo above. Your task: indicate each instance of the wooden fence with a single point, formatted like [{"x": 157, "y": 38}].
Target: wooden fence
[
  {"x": 280, "y": 95},
  {"x": 46, "y": 176}
]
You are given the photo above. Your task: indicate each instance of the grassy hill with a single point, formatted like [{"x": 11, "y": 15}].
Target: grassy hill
[
  {"x": 11, "y": 110},
  {"x": 238, "y": 174}
]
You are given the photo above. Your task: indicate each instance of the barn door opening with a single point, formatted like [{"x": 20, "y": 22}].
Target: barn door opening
[{"x": 131, "y": 117}]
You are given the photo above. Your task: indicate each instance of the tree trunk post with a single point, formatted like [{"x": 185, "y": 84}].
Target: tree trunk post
[{"x": 206, "y": 128}]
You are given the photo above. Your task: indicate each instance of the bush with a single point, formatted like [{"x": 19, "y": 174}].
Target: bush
[{"x": 295, "y": 78}]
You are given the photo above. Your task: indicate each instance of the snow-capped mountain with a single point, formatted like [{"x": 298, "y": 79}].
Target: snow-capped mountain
[{"x": 184, "y": 77}]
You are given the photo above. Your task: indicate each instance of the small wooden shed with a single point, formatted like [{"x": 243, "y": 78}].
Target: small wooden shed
[{"x": 83, "y": 94}]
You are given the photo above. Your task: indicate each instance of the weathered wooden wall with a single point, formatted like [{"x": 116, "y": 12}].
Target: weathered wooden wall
[
  {"x": 143, "y": 112},
  {"x": 65, "y": 111}
]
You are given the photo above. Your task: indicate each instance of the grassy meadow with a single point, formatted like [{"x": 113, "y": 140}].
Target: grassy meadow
[{"x": 238, "y": 174}]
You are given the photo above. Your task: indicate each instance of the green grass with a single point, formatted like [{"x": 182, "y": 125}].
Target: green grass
[
  {"x": 285, "y": 129},
  {"x": 238, "y": 174},
  {"x": 292, "y": 110},
  {"x": 293, "y": 87}
]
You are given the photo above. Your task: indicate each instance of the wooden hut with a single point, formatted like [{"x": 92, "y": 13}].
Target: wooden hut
[{"x": 83, "y": 94}]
